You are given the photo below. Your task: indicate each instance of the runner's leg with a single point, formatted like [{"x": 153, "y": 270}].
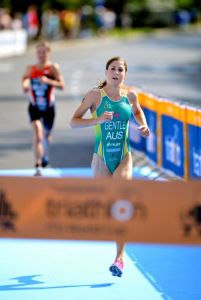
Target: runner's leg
[
  {"x": 48, "y": 122},
  {"x": 124, "y": 171},
  {"x": 38, "y": 141},
  {"x": 46, "y": 144},
  {"x": 99, "y": 168}
]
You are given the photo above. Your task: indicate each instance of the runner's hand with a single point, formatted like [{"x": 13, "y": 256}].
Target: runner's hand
[
  {"x": 26, "y": 85},
  {"x": 26, "y": 90},
  {"x": 44, "y": 79},
  {"x": 106, "y": 116},
  {"x": 144, "y": 130}
]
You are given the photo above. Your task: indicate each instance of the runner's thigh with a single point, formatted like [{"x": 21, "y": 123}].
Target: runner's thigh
[
  {"x": 125, "y": 168},
  {"x": 99, "y": 168}
]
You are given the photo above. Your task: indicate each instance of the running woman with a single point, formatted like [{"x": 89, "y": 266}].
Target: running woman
[
  {"x": 38, "y": 82},
  {"x": 111, "y": 104}
]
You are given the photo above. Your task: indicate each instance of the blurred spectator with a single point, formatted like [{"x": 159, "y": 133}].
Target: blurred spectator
[
  {"x": 109, "y": 19},
  {"x": 70, "y": 23},
  {"x": 183, "y": 18},
  {"x": 5, "y": 19},
  {"x": 44, "y": 23},
  {"x": 50, "y": 24},
  {"x": 17, "y": 21},
  {"x": 31, "y": 22},
  {"x": 126, "y": 20},
  {"x": 105, "y": 19},
  {"x": 99, "y": 17},
  {"x": 86, "y": 21}
]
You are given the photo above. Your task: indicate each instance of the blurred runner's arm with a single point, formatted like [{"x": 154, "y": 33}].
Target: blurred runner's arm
[
  {"x": 58, "y": 80},
  {"x": 26, "y": 80}
]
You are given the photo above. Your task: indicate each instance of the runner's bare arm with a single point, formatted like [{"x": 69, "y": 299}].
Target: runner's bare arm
[
  {"x": 88, "y": 103},
  {"x": 58, "y": 80},
  {"x": 26, "y": 80},
  {"x": 138, "y": 114}
]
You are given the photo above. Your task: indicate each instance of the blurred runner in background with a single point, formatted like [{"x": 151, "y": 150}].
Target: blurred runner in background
[{"x": 39, "y": 81}]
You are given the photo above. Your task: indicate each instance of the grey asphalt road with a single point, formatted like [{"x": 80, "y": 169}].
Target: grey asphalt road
[{"x": 167, "y": 64}]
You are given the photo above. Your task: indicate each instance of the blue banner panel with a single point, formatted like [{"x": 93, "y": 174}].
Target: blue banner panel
[
  {"x": 194, "y": 151},
  {"x": 137, "y": 142},
  {"x": 173, "y": 145},
  {"x": 199, "y": 151},
  {"x": 151, "y": 141}
]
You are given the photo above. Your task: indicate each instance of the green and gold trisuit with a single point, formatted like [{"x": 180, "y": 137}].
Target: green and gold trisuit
[{"x": 112, "y": 143}]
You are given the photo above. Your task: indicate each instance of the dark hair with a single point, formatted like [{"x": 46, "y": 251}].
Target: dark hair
[{"x": 115, "y": 58}]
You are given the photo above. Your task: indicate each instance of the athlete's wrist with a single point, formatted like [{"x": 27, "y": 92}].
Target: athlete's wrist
[{"x": 100, "y": 120}]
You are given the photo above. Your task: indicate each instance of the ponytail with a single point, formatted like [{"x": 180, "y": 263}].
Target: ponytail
[{"x": 102, "y": 84}]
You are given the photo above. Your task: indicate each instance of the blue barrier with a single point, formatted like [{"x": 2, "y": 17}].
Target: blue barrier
[
  {"x": 194, "y": 142},
  {"x": 175, "y": 135}
]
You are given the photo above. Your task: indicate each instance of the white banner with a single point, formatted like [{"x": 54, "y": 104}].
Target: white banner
[{"x": 12, "y": 42}]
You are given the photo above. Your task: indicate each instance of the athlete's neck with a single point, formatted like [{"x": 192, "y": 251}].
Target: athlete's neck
[
  {"x": 41, "y": 65},
  {"x": 114, "y": 92}
]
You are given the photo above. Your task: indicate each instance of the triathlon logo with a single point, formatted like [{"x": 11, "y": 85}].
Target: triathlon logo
[
  {"x": 191, "y": 221},
  {"x": 7, "y": 215},
  {"x": 124, "y": 210},
  {"x": 107, "y": 105}
]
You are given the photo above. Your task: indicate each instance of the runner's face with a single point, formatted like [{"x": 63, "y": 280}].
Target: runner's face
[
  {"x": 116, "y": 72},
  {"x": 42, "y": 54}
]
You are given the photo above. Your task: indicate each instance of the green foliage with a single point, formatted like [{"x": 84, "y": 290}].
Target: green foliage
[
  {"x": 67, "y": 4},
  {"x": 22, "y": 5},
  {"x": 5, "y": 3},
  {"x": 134, "y": 5},
  {"x": 184, "y": 3},
  {"x": 119, "y": 6}
]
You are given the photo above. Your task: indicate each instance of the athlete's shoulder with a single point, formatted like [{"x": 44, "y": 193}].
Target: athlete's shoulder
[
  {"x": 27, "y": 72},
  {"x": 131, "y": 94},
  {"x": 93, "y": 93},
  {"x": 54, "y": 67},
  {"x": 30, "y": 66},
  {"x": 91, "y": 97}
]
